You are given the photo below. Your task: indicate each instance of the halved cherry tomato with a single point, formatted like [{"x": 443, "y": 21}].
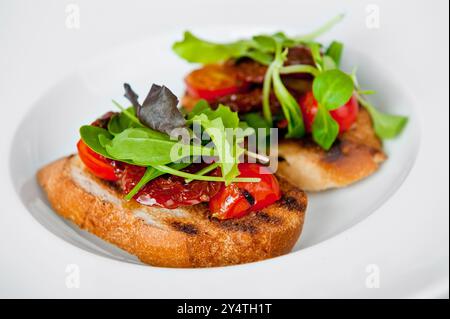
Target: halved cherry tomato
[
  {"x": 345, "y": 115},
  {"x": 212, "y": 81},
  {"x": 97, "y": 164},
  {"x": 238, "y": 199}
]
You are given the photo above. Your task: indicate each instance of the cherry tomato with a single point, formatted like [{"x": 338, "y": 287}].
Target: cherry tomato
[
  {"x": 345, "y": 115},
  {"x": 97, "y": 164},
  {"x": 212, "y": 81},
  {"x": 238, "y": 199},
  {"x": 229, "y": 203}
]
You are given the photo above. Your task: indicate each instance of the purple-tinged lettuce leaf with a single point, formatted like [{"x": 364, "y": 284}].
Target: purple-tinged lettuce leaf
[{"x": 159, "y": 110}]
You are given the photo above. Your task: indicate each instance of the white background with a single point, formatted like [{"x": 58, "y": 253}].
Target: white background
[{"x": 36, "y": 49}]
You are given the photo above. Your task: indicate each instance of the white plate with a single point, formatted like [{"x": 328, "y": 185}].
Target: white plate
[
  {"x": 87, "y": 94},
  {"x": 347, "y": 240}
]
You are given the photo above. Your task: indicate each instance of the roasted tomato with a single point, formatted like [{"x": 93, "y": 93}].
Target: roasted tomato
[
  {"x": 97, "y": 164},
  {"x": 212, "y": 81},
  {"x": 238, "y": 199},
  {"x": 168, "y": 191},
  {"x": 345, "y": 116}
]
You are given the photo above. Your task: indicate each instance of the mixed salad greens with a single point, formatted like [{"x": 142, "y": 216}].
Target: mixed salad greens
[
  {"x": 148, "y": 135},
  {"x": 332, "y": 87}
]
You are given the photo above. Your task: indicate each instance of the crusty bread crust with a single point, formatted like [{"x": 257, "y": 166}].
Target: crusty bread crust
[
  {"x": 186, "y": 237},
  {"x": 355, "y": 155}
]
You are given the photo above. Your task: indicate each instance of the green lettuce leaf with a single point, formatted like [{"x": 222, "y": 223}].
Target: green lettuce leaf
[
  {"x": 386, "y": 125},
  {"x": 196, "y": 50},
  {"x": 332, "y": 89},
  {"x": 324, "y": 129}
]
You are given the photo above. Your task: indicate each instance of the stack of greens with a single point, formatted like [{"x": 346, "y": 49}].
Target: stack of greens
[
  {"x": 143, "y": 135},
  {"x": 332, "y": 87}
]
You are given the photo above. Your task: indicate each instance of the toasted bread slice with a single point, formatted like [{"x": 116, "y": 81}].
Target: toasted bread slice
[
  {"x": 183, "y": 237},
  {"x": 355, "y": 155}
]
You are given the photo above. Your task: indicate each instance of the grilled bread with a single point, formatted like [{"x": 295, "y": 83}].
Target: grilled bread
[
  {"x": 356, "y": 154},
  {"x": 183, "y": 237}
]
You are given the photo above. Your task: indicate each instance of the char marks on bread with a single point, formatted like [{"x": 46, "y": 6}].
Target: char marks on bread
[
  {"x": 355, "y": 155},
  {"x": 182, "y": 237}
]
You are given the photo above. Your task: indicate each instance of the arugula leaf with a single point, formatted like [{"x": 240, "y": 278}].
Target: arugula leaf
[
  {"x": 259, "y": 48},
  {"x": 267, "y": 85},
  {"x": 386, "y": 125},
  {"x": 265, "y": 43},
  {"x": 90, "y": 136},
  {"x": 221, "y": 125},
  {"x": 130, "y": 115},
  {"x": 97, "y": 138},
  {"x": 141, "y": 146},
  {"x": 334, "y": 51},
  {"x": 227, "y": 133},
  {"x": 122, "y": 121},
  {"x": 196, "y": 50},
  {"x": 229, "y": 141},
  {"x": 284, "y": 40},
  {"x": 189, "y": 176},
  {"x": 128, "y": 141},
  {"x": 316, "y": 54},
  {"x": 324, "y": 62},
  {"x": 223, "y": 143},
  {"x": 332, "y": 89},
  {"x": 324, "y": 128},
  {"x": 299, "y": 68},
  {"x": 259, "y": 56},
  {"x": 146, "y": 147},
  {"x": 290, "y": 107},
  {"x": 204, "y": 171}
]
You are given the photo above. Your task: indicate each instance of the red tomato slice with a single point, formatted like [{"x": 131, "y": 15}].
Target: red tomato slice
[
  {"x": 345, "y": 115},
  {"x": 229, "y": 202},
  {"x": 212, "y": 81},
  {"x": 308, "y": 105},
  {"x": 238, "y": 199},
  {"x": 97, "y": 164}
]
